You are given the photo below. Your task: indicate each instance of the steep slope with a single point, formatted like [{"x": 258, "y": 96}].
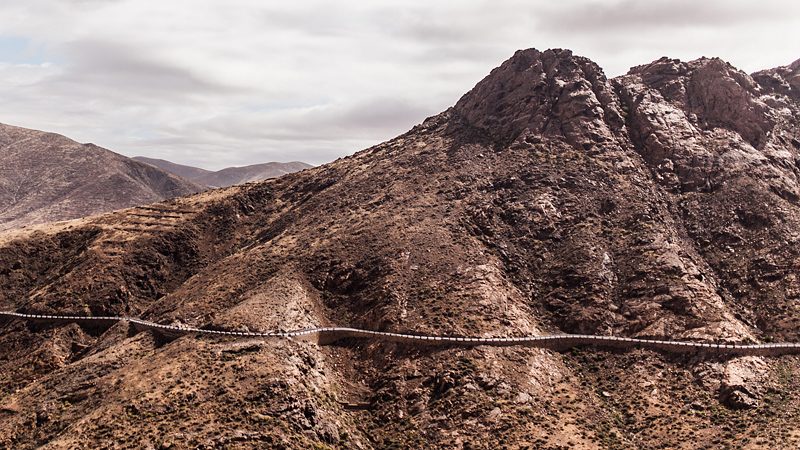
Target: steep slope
[
  {"x": 726, "y": 152},
  {"x": 45, "y": 177},
  {"x": 548, "y": 199},
  {"x": 230, "y": 176}
]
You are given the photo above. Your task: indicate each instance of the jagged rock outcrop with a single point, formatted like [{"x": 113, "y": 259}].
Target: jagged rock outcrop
[
  {"x": 699, "y": 123},
  {"x": 551, "y": 93},
  {"x": 727, "y": 144},
  {"x": 781, "y": 80},
  {"x": 549, "y": 199}
]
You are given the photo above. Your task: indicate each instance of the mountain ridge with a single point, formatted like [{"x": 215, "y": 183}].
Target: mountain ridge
[
  {"x": 229, "y": 176},
  {"x": 185, "y": 171}
]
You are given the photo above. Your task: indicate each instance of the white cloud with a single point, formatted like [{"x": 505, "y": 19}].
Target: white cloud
[{"x": 212, "y": 83}]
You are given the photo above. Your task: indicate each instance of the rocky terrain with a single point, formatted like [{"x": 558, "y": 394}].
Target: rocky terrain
[
  {"x": 549, "y": 199},
  {"x": 230, "y": 176},
  {"x": 46, "y": 177}
]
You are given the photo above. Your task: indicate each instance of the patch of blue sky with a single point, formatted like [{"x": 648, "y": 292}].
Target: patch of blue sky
[{"x": 20, "y": 50}]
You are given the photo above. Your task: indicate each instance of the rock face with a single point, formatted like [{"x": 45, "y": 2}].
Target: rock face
[
  {"x": 45, "y": 177},
  {"x": 697, "y": 122},
  {"x": 781, "y": 81},
  {"x": 727, "y": 145},
  {"x": 550, "y": 94},
  {"x": 549, "y": 199}
]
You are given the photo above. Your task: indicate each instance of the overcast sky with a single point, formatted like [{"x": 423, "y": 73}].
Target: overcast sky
[{"x": 215, "y": 83}]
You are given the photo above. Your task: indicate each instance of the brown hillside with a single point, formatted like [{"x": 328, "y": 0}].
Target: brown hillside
[
  {"x": 549, "y": 199},
  {"x": 45, "y": 177}
]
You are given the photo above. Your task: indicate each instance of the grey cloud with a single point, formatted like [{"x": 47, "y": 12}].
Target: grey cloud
[
  {"x": 315, "y": 80},
  {"x": 371, "y": 118},
  {"x": 425, "y": 25},
  {"x": 93, "y": 2},
  {"x": 380, "y": 115},
  {"x": 104, "y": 69},
  {"x": 657, "y": 14},
  {"x": 314, "y": 135}
]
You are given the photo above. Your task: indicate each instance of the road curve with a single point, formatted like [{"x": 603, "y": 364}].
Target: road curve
[{"x": 328, "y": 335}]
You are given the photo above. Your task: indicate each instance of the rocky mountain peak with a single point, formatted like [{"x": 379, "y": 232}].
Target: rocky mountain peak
[
  {"x": 554, "y": 94},
  {"x": 711, "y": 93},
  {"x": 784, "y": 80},
  {"x": 698, "y": 122}
]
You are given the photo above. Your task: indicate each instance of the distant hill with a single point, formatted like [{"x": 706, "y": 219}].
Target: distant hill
[
  {"x": 179, "y": 169},
  {"x": 230, "y": 176},
  {"x": 46, "y": 177}
]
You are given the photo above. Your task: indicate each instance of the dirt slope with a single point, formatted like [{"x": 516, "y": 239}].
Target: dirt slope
[{"x": 549, "y": 199}]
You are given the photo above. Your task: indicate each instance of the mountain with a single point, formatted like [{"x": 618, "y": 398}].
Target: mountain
[
  {"x": 256, "y": 172},
  {"x": 662, "y": 204},
  {"x": 45, "y": 177},
  {"x": 230, "y": 176},
  {"x": 178, "y": 169}
]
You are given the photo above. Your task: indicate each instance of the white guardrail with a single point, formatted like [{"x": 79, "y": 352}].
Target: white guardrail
[{"x": 328, "y": 335}]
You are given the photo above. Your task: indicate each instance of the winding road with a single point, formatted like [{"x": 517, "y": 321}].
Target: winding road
[{"x": 329, "y": 335}]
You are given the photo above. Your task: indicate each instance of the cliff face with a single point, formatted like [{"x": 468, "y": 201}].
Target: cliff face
[
  {"x": 725, "y": 148},
  {"x": 552, "y": 94},
  {"x": 549, "y": 199}
]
